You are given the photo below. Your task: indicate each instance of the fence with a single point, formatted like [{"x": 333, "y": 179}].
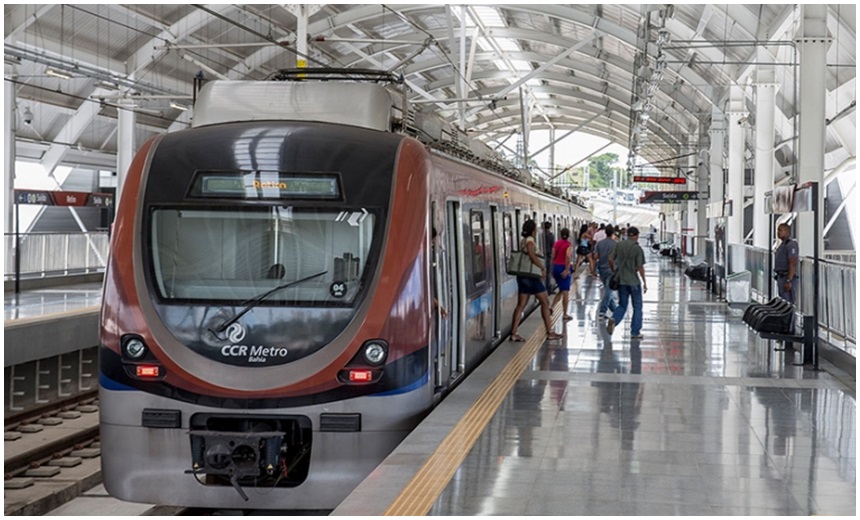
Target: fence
[
  {"x": 47, "y": 254},
  {"x": 837, "y": 311}
]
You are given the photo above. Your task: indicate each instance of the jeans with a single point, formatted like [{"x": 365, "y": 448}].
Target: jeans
[
  {"x": 624, "y": 293},
  {"x": 607, "y": 302},
  {"x": 780, "y": 287}
]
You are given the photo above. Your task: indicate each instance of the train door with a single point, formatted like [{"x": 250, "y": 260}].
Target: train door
[
  {"x": 457, "y": 313},
  {"x": 440, "y": 279},
  {"x": 497, "y": 270}
]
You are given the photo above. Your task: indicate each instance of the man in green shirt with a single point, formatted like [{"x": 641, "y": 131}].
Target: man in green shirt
[{"x": 628, "y": 258}]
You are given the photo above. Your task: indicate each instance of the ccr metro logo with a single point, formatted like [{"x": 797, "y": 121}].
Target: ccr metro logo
[
  {"x": 235, "y": 333},
  {"x": 255, "y": 353}
]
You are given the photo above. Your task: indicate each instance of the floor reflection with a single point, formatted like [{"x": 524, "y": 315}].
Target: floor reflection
[{"x": 698, "y": 418}]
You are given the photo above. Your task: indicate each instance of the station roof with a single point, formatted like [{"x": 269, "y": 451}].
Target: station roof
[{"x": 594, "y": 68}]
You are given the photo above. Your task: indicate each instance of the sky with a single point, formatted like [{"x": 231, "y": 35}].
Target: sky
[{"x": 579, "y": 146}]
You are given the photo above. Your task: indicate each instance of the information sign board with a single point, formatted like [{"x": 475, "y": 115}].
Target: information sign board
[{"x": 668, "y": 197}]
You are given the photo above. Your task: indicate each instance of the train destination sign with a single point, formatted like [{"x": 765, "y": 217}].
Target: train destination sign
[
  {"x": 659, "y": 180},
  {"x": 668, "y": 197},
  {"x": 265, "y": 185},
  {"x": 64, "y": 198}
]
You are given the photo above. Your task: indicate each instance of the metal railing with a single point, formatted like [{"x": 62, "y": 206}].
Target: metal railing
[
  {"x": 55, "y": 254},
  {"x": 837, "y": 312}
]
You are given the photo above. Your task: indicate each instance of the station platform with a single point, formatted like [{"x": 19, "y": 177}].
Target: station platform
[
  {"x": 34, "y": 303},
  {"x": 701, "y": 417}
]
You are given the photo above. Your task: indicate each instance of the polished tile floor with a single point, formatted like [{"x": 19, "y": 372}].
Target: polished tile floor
[
  {"x": 698, "y": 418},
  {"x": 39, "y": 302}
]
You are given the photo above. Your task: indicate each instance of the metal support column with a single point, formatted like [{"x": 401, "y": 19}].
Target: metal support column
[
  {"x": 737, "y": 119},
  {"x": 125, "y": 148},
  {"x": 813, "y": 41},
  {"x": 302, "y": 14},
  {"x": 552, "y": 155},
  {"x": 703, "y": 179},
  {"x": 717, "y": 133},
  {"x": 9, "y": 156},
  {"x": 691, "y": 207},
  {"x": 764, "y": 137}
]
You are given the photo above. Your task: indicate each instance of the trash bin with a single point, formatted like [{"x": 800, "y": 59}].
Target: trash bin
[{"x": 738, "y": 287}]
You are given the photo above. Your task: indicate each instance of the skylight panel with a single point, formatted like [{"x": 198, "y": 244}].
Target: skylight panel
[{"x": 489, "y": 16}]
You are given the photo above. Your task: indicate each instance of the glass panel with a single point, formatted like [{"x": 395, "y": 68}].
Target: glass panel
[
  {"x": 509, "y": 234},
  {"x": 479, "y": 274},
  {"x": 232, "y": 255}
]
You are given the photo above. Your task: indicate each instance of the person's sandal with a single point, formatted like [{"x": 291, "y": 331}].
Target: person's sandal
[
  {"x": 553, "y": 336},
  {"x": 517, "y": 338}
]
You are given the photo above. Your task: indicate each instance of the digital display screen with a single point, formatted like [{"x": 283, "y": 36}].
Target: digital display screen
[
  {"x": 266, "y": 185},
  {"x": 659, "y": 180}
]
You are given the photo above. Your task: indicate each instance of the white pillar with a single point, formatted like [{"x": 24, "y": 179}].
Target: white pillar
[
  {"x": 552, "y": 155},
  {"x": 125, "y": 148},
  {"x": 691, "y": 207},
  {"x": 764, "y": 137},
  {"x": 717, "y": 133},
  {"x": 302, "y": 36},
  {"x": 702, "y": 182},
  {"x": 813, "y": 42},
  {"x": 525, "y": 112},
  {"x": 737, "y": 115},
  {"x": 9, "y": 156}
]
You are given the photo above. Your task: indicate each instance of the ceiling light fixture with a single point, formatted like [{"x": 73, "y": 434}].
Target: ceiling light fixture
[
  {"x": 177, "y": 106},
  {"x": 58, "y": 74}
]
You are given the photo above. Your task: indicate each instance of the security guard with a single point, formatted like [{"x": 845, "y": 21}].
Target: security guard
[{"x": 785, "y": 264}]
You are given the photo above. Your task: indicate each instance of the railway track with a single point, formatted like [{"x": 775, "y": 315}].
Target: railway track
[
  {"x": 48, "y": 433},
  {"x": 51, "y": 454}
]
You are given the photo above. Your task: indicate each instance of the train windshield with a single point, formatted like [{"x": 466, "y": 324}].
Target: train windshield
[{"x": 234, "y": 255}]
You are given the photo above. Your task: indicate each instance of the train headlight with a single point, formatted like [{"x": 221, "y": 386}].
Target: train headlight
[
  {"x": 375, "y": 352},
  {"x": 134, "y": 348}
]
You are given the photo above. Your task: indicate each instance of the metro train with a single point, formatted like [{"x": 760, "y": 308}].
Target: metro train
[{"x": 271, "y": 325}]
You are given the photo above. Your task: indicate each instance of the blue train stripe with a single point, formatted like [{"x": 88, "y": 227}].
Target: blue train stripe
[
  {"x": 405, "y": 389},
  {"x": 109, "y": 384}
]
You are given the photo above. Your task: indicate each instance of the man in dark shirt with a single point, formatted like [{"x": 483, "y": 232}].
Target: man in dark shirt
[
  {"x": 785, "y": 264},
  {"x": 602, "y": 250},
  {"x": 629, "y": 259},
  {"x": 548, "y": 242}
]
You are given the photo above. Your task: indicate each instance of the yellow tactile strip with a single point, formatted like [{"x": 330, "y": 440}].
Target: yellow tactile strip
[{"x": 421, "y": 492}]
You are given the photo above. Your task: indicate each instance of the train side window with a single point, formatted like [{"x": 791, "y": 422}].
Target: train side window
[{"x": 479, "y": 274}]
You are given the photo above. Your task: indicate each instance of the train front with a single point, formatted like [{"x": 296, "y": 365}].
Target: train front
[{"x": 264, "y": 324}]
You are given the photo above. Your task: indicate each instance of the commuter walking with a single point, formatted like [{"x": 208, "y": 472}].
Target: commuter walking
[
  {"x": 628, "y": 258},
  {"x": 785, "y": 264},
  {"x": 548, "y": 242},
  {"x": 602, "y": 250},
  {"x": 562, "y": 271},
  {"x": 531, "y": 286}
]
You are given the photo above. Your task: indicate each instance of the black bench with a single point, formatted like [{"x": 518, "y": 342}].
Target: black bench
[{"x": 778, "y": 320}]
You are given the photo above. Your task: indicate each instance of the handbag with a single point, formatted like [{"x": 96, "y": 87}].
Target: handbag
[
  {"x": 520, "y": 264},
  {"x": 615, "y": 280}
]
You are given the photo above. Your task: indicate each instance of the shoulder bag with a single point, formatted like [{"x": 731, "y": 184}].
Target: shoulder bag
[
  {"x": 520, "y": 264},
  {"x": 615, "y": 279}
]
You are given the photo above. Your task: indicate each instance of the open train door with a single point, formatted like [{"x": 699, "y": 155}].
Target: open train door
[
  {"x": 441, "y": 291},
  {"x": 496, "y": 271},
  {"x": 450, "y": 275}
]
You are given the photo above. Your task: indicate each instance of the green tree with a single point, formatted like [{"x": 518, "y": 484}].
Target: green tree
[{"x": 601, "y": 169}]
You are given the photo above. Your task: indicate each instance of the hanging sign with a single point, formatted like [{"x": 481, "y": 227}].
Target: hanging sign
[
  {"x": 64, "y": 198},
  {"x": 668, "y": 197},
  {"x": 659, "y": 180}
]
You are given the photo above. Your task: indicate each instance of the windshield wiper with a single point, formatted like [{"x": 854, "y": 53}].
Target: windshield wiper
[{"x": 253, "y": 302}]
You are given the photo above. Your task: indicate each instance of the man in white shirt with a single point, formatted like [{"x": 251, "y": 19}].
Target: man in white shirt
[{"x": 601, "y": 233}]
